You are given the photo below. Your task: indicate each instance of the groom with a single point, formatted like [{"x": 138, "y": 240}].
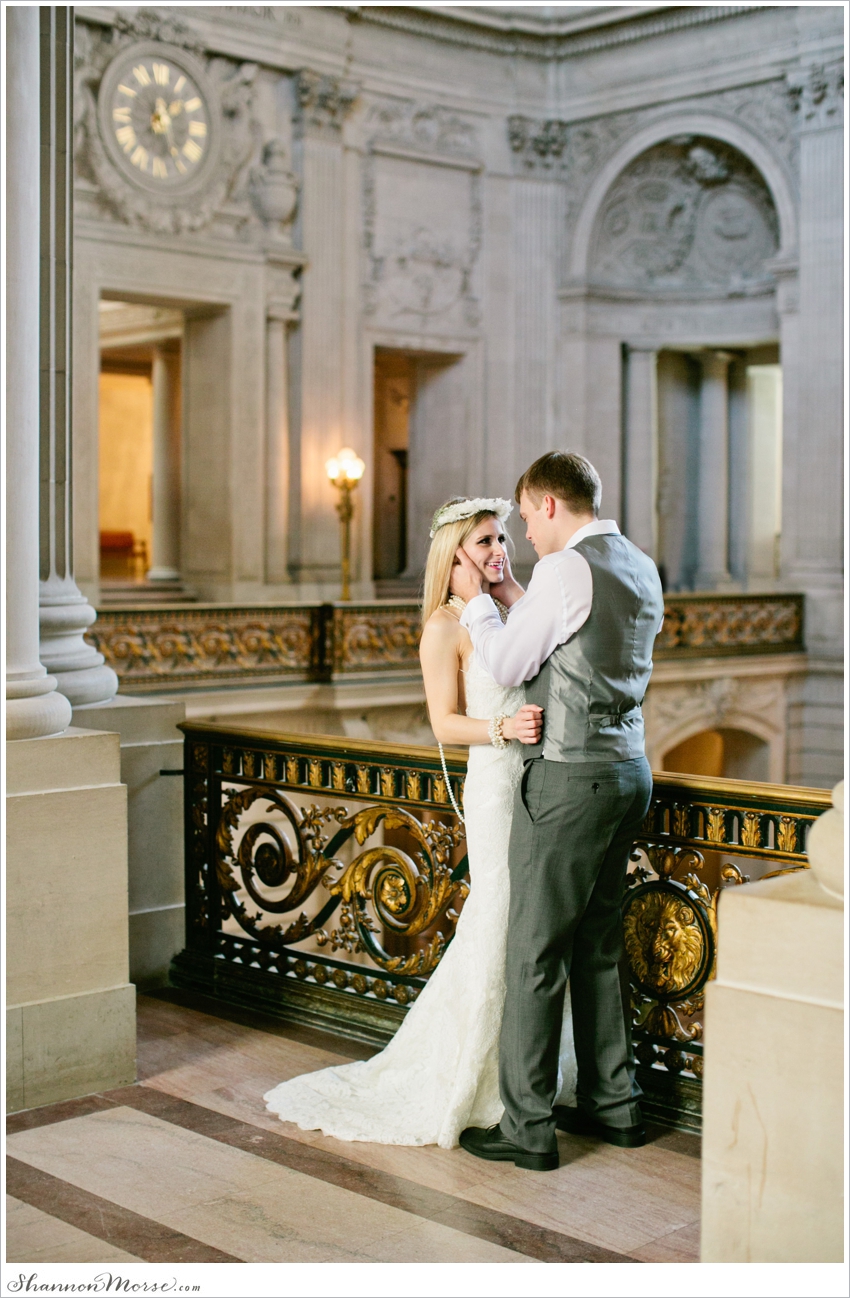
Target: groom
[{"x": 582, "y": 636}]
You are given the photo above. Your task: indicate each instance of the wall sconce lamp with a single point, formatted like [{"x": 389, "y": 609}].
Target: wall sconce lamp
[{"x": 345, "y": 469}]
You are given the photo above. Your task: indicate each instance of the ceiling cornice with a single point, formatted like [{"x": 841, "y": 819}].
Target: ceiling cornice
[{"x": 597, "y": 28}]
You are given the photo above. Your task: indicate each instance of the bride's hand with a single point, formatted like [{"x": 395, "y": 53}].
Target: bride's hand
[
  {"x": 508, "y": 590},
  {"x": 526, "y": 725}
]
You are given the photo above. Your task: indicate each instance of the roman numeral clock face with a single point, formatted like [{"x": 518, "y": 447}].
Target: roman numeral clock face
[{"x": 156, "y": 119}]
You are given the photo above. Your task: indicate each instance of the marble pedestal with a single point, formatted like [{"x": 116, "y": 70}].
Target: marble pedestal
[
  {"x": 773, "y": 1105},
  {"x": 150, "y": 743},
  {"x": 71, "y": 1019}
]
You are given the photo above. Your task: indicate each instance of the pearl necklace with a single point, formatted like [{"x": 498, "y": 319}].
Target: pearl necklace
[{"x": 455, "y": 602}]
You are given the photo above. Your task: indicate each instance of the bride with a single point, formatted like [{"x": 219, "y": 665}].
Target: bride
[{"x": 439, "y": 1073}]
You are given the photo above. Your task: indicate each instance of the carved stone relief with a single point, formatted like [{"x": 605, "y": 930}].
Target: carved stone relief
[
  {"x": 422, "y": 219},
  {"x": 322, "y": 102},
  {"x": 574, "y": 152},
  {"x": 274, "y": 191},
  {"x": 421, "y": 127},
  {"x": 714, "y": 702},
  {"x": 225, "y": 200},
  {"x": 538, "y": 145},
  {"x": 817, "y": 96},
  {"x": 688, "y": 213}
]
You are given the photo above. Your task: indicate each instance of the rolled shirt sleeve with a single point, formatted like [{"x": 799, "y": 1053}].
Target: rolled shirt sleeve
[{"x": 555, "y": 606}]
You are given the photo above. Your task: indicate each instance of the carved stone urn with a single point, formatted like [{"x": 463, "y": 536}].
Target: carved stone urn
[
  {"x": 826, "y": 846},
  {"x": 274, "y": 190}
]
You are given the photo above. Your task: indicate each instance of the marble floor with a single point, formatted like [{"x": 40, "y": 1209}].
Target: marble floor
[{"x": 187, "y": 1166}]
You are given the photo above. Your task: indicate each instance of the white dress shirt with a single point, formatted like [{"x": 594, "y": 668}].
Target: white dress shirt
[{"x": 555, "y": 606}]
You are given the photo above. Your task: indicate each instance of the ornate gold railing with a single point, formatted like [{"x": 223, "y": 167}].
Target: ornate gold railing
[
  {"x": 199, "y": 645},
  {"x": 324, "y": 880}
]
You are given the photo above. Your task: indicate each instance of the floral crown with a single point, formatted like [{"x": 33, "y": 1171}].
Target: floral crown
[{"x": 467, "y": 508}]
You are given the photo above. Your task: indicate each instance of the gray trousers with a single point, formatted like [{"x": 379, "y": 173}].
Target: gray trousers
[{"x": 573, "y": 828}]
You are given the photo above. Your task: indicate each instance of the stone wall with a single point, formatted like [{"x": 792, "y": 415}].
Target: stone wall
[{"x": 533, "y": 209}]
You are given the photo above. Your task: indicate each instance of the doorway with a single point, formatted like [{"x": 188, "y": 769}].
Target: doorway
[
  {"x": 393, "y": 387},
  {"x": 139, "y": 450},
  {"x": 421, "y": 445}
]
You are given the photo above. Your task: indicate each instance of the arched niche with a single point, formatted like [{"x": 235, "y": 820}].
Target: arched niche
[
  {"x": 690, "y": 215},
  {"x": 696, "y": 126},
  {"x": 726, "y": 752}
]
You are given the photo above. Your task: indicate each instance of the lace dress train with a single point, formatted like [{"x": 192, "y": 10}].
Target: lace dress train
[{"x": 440, "y": 1072}]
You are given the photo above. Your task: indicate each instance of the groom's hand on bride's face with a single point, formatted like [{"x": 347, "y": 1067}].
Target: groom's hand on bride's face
[
  {"x": 466, "y": 579},
  {"x": 508, "y": 590}
]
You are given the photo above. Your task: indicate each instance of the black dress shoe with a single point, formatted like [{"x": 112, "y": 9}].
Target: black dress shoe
[
  {"x": 491, "y": 1144},
  {"x": 579, "y": 1123}
]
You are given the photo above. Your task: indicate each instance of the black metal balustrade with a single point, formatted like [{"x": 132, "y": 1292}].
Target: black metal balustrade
[{"x": 324, "y": 878}]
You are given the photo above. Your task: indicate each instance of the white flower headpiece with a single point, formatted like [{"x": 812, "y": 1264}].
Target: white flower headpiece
[{"x": 467, "y": 508}]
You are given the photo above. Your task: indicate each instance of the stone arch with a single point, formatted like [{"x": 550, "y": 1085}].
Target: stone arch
[
  {"x": 698, "y": 124},
  {"x": 666, "y": 739}
]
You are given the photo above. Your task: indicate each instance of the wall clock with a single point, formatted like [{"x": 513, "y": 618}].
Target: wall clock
[{"x": 157, "y": 118}]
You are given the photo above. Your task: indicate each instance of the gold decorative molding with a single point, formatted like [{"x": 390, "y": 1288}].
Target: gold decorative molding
[
  {"x": 160, "y": 649},
  {"x": 199, "y": 645},
  {"x": 708, "y": 625},
  {"x": 370, "y": 637}
]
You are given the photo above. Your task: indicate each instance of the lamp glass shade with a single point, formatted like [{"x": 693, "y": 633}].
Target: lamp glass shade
[{"x": 345, "y": 466}]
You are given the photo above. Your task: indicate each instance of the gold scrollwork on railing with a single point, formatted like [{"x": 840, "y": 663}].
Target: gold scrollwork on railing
[
  {"x": 384, "y": 888},
  {"x": 407, "y": 895}
]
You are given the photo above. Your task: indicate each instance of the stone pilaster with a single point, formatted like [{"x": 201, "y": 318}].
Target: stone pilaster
[
  {"x": 64, "y": 613},
  {"x": 713, "y": 507},
  {"x": 322, "y": 104},
  {"x": 812, "y": 497},
  {"x": 640, "y": 486},
  {"x": 284, "y": 291},
  {"x": 33, "y": 705},
  {"x": 165, "y": 556}
]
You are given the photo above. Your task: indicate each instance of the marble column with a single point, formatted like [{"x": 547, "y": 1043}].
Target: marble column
[
  {"x": 277, "y": 445},
  {"x": 640, "y": 478},
  {"x": 64, "y": 614},
  {"x": 34, "y": 707},
  {"x": 165, "y": 556},
  {"x": 713, "y": 483}
]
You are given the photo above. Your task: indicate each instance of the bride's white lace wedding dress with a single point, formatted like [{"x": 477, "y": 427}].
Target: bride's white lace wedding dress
[{"x": 440, "y": 1072}]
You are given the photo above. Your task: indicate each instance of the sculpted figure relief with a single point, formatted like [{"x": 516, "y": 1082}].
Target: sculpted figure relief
[{"x": 689, "y": 213}]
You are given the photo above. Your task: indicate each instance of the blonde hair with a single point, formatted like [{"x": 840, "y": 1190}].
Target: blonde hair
[{"x": 441, "y": 557}]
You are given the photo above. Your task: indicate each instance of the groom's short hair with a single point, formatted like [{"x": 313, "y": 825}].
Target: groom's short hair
[{"x": 569, "y": 477}]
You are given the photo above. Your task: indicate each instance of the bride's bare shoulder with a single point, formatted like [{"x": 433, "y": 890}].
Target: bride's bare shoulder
[{"x": 442, "y": 631}]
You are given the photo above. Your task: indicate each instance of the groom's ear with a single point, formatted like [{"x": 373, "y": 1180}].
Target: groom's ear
[{"x": 551, "y": 505}]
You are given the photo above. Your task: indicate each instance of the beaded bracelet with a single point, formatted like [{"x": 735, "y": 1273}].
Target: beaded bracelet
[{"x": 497, "y": 738}]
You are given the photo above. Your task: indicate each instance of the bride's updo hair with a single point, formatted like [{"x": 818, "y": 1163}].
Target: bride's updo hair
[{"x": 441, "y": 556}]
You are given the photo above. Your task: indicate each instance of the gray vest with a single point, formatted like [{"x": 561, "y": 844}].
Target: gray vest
[{"x": 592, "y": 687}]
